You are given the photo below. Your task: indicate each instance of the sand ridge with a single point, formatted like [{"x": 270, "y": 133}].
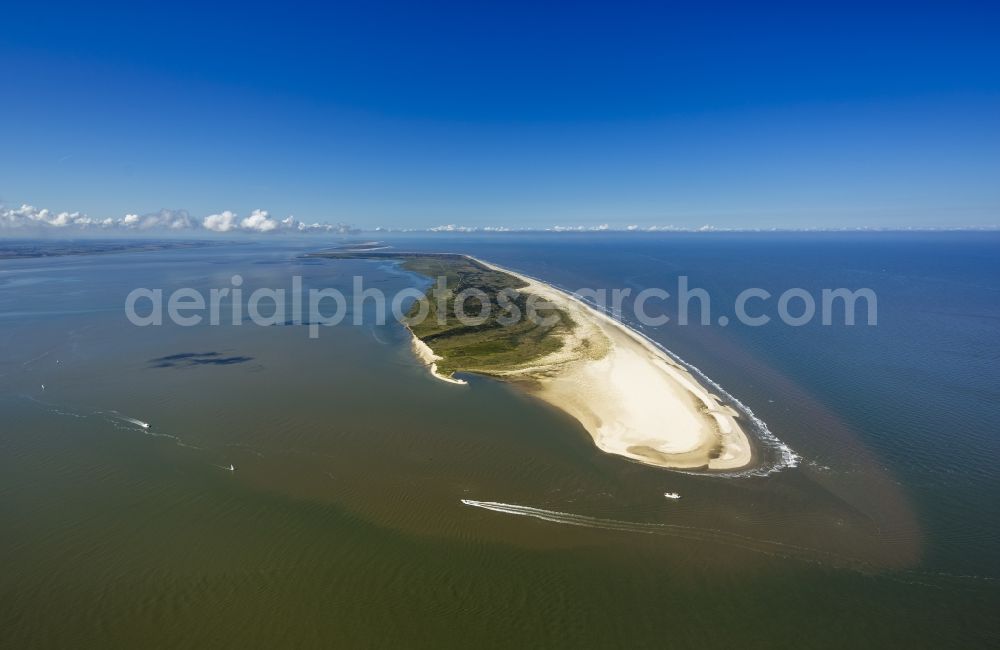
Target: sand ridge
[{"x": 630, "y": 396}]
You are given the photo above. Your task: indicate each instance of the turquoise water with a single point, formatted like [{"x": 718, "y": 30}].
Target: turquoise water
[{"x": 344, "y": 522}]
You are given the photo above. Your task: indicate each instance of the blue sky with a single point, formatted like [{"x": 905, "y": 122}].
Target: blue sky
[{"x": 412, "y": 115}]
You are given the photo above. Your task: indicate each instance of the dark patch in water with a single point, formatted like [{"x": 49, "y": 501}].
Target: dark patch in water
[
  {"x": 184, "y": 355},
  {"x": 186, "y": 359}
]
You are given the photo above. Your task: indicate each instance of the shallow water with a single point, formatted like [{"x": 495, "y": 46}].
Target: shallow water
[{"x": 356, "y": 512}]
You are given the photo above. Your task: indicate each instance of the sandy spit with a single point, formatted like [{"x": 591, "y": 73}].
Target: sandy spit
[{"x": 630, "y": 396}]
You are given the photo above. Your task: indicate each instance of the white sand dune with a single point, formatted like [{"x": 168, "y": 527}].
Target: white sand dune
[{"x": 631, "y": 397}]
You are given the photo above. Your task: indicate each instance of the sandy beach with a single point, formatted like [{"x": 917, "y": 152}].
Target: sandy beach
[
  {"x": 630, "y": 396},
  {"x": 429, "y": 359}
]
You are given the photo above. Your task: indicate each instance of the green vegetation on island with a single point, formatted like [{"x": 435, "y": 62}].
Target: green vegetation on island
[{"x": 468, "y": 335}]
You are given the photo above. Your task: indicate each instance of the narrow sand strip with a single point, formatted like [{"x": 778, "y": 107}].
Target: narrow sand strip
[
  {"x": 631, "y": 397},
  {"x": 429, "y": 359}
]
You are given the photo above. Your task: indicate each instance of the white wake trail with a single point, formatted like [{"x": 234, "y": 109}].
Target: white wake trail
[{"x": 765, "y": 546}]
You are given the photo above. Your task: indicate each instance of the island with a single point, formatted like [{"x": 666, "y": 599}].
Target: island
[
  {"x": 33, "y": 248},
  {"x": 630, "y": 396}
]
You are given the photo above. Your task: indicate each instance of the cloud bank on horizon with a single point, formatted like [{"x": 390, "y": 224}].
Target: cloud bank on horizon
[{"x": 28, "y": 218}]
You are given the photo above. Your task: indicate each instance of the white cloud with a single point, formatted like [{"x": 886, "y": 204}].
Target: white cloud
[
  {"x": 259, "y": 221},
  {"x": 167, "y": 219},
  {"x": 602, "y": 226},
  {"x": 28, "y": 217},
  {"x": 453, "y": 228},
  {"x": 320, "y": 227},
  {"x": 222, "y": 222}
]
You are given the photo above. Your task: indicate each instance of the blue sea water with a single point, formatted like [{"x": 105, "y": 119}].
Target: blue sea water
[{"x": 918, "y": 393}]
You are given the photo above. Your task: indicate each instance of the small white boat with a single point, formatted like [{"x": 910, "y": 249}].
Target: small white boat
[
  {"x": 231, "y": 468},
  {"x": 671, "y": 495},
  {"x": 144, "y": 425}
]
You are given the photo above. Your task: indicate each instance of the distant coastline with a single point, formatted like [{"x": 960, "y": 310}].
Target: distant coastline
[{"x": 25, "y": 249}]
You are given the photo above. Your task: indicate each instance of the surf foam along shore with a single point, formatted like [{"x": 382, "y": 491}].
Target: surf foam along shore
[{"x": 631, "y": 397}]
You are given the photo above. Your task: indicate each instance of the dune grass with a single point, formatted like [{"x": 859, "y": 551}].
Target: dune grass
[{"x": 500, "y": 341}]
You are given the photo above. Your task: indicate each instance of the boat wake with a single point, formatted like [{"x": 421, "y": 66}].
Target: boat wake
[
  {"x": 117, "y": 418},
  {"x": 139, "y": 423},
  {"x": 765, "y": 546},
  {"x": 773, "y": 548}
]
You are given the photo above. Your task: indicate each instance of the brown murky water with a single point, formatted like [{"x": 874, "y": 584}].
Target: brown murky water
[{"x": 344, "y": 524}]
